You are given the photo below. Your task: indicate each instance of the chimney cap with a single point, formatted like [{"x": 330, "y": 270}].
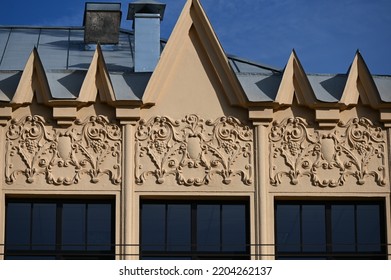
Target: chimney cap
[
  {"x": 146, "y": 7},
  {"x": 100, "y": 7}
]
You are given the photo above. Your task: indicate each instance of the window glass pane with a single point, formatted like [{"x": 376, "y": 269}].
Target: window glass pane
[
  {"x": 208, "y": 227},
  {"x": 234, "y": 228},
  {"x": 34, "y": 257},
  {"x": 73, "y": 226},
  {"x": 18, "y": 226},
  {"x": 343, "y": 228},
  {"x": 44, "y": 226},
  {"x": 288, "y": 228},
  {"x": 179, "y": 227},
  {"x": 99, "y": 226},
  {"x": 153, "y": 227},
  {"x": 313, "y": 228},
  {"x": 368, "y": 228}
]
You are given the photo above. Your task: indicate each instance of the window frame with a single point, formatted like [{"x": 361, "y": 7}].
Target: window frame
[
  {"x": 194, "y": 253},
  {"x": 329, "y": 253},
  {"x": 58, "y": 253}
]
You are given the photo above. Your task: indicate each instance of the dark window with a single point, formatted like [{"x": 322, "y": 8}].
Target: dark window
[
  {"x": 59, "y": 229},
  {"x": 330, "y": 230},
  {"x": 194, "y": 230}
]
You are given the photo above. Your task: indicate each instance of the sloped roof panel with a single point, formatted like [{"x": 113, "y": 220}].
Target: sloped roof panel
[
  {"x": 260, "y": 87},
  {"x": 4, "y": 34},
  {"x": 65, "y": 84},
  {"x": 129, "y": 86},
  {"x": 8, "y": 83},
  {"x": 79, "y": 57},
  {"x": 20, "y": 44},
  {"x": 383, "y": 85},
  {"x": 328, "y": 88},
  {"x": 120, "y": 57},
  {"x": 53, "y": 48}
]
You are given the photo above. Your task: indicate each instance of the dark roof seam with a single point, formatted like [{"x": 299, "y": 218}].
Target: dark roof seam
[
  {"x": 39, "y": 38},
  {"x": 69, "y": 45},
  {"x": 5, "y": 47},
  {"x": 131, "y": 47},
  {"x": 236, "y": 67}
]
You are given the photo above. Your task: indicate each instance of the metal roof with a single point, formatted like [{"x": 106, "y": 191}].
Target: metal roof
[
  {"x": 66, "y": 59},
  {"x": 260, "y": 87},
  {"x": 328, "y": 88},
  {"x": 60, "y": 49},
  {"x": 383, "y": 84}
]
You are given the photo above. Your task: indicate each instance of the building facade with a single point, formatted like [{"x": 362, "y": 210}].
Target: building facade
[{"x": 113, "y": 152}]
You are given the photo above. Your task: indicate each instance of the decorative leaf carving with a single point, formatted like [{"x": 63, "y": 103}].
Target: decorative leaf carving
[
  {"x": 92, "y": 147},
  {"x": 355, "y": 148},
  {"x": 175, "y": 148}
]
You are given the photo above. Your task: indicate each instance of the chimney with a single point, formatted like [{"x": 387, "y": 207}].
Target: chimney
[
  {"x": 146, "y": 16},
  {"x": 101, "y": 23}
]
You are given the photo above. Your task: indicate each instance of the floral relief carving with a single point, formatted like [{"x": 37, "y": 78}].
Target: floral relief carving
[
  {"x": 193, "y": 151},
  {"x": 356, "y": 148},
  {"x": 91, "y": 147}
]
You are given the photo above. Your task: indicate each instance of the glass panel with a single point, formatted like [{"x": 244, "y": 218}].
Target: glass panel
[
  {"x": 368, "y": 228},
  {"x": 73, "y": 226},
  {"x": 165, "y": 258},
  {"x": 44, "y": 226},
  {"x": 234, "y": 228},
  {"x": 288, "y": 228},
  {"x": 26, "y": 257},
  {"x": 179, "y": 227},
  {"x": 99, "y": 227},
  {"x": 313, "y": 228},
  {"x": 208, "y": 227},
  {"x": 18, "y": 226},
  {"x": 343, "y": 228},
  {"x": 153, "y": 227}
]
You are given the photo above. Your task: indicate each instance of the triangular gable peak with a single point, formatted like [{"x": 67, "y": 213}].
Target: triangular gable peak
[
  {"x": 360, "y": 84},
  {"x": 33, "y": 81},
  {"x": 295, "y": 83},
  {"x": 97, "y": 80},
  {"x": 192, "y": 40}
]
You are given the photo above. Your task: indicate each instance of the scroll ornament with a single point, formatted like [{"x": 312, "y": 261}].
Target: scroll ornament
[
  {"x": 193, "y": 151},
  {"x": 356, "y": 148},
  {"x": 91, "y": 147}
]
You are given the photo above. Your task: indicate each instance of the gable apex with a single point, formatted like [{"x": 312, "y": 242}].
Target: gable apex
[
  {"x": 194, "y": 22},
  {"x": 295, "y": 83},
  {"x": 97, "y": 81},
  {"x": 360, "y": 85},
  {"x": 32, "y": 82}
]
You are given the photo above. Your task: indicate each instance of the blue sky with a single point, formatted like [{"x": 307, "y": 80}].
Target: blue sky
[{"x": 324, "y": 33}]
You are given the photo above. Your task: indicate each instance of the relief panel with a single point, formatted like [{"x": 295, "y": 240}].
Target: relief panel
[
  {"x": 353, "y": 149},
  {"x": 90, "y": 148},
  {"x": 193, "y": 151}
]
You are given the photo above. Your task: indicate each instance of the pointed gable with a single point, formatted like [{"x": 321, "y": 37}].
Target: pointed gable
[
  {"x": 360, "y": 84},
  {"x": 32, "y": 82},
  {"x": 193, "y": 69},
  {"x": 97, "y": 80},
  {"x": 295, "y": 83}
]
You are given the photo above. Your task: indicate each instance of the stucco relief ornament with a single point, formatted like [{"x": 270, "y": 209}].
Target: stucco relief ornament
[
  {"x": 91, "y": 147},
  {"x": 192, "y": 150},
  {"x": 355, "y": 148},
  {"x": 291, "y": 141}
]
